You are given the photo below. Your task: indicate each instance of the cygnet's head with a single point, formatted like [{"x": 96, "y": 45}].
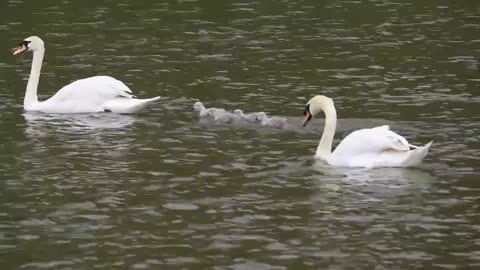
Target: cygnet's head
[
  {"x": 261, "y": 116},
  {"x": 238, "y": 112},
  {"x": 315, "y": 105},
  {"x": 198, "y": 106},
  {"x": 30, "y": 44}
]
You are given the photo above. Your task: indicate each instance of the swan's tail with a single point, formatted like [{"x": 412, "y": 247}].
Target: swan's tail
[
  {"x": 128, "y": 105},
  {"x": 416, "y": 155},
  {"x": 149, "y": 100},
  {"x": 141, "y": 104}
]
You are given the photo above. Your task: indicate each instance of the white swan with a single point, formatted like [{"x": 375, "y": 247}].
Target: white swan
[
  {"x": 372, "y": 147},
  {"x": 90, "y": 95}
]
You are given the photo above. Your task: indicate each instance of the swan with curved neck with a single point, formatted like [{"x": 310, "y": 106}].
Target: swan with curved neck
[
  {"x": 372, "y": 147},
  {"x": 90, "y": 95}
]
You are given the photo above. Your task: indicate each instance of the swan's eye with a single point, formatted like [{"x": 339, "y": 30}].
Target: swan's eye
[
  {"x": 22, "y": 47},
  {"x": 25, "y": 43}
]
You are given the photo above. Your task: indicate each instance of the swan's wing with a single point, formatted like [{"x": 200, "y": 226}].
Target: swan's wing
[
  {"x": 391, "y": 140},
  {"x": 410, "y": 158},
  {"x": 373, "y": 140},
  {"x": 93, "y": 91},
  {"x": 376, "y": 147}
]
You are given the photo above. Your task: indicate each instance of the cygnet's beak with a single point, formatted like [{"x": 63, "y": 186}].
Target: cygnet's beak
[
  {"x": 20, "y": 49},
  {"x": 308, "y": 117}
]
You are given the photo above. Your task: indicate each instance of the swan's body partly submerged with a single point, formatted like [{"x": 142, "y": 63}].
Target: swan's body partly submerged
[
  {"x": 90, "y": 95},
  {"x": 372, "y": 147}
]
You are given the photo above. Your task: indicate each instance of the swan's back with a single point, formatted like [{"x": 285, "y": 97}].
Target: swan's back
[
  {"x": 387, "y": 158},
  {"x": 96, "y": 88},
  {"x": 371, "y": 140},
  {"x": 86, "y": 95},
  {"x": 376, "y": 147}
]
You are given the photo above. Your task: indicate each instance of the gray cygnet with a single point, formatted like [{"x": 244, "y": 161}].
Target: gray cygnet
[
  {"x": 252, "y": 117},
  {"x": 198, "y": 106},
  {"x": 275, "y": 122}
]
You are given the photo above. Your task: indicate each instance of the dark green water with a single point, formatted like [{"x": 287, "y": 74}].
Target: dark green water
[{"x": 165, "y": 190}]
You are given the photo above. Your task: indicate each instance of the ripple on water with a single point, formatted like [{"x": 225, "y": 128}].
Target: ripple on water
[
  {"x": 181, "y": 206},
  {"x": 167, "y": 189}
]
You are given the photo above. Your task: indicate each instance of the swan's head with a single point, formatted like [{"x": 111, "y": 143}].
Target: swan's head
[
  {"x": 198, "y": 106},
  {"x": 314, "y": 106},
  {"x": 32, "y": 43}
]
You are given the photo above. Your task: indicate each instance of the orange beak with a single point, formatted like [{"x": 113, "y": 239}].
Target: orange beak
[
  {"x": 20, "y": 49},
  {"x": 308, "y": 117}
]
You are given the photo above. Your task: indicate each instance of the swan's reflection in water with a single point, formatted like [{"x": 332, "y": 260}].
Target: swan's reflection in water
[
  {"x": 366, "y": 175},
  {"x": 76, "y": 122},
  {"x": 374, "y": 184},
  {"x": 73, "y": 140},
  {"x": 80, "y": 121}
]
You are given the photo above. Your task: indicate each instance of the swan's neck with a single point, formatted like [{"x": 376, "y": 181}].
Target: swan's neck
[
  {"x": 31, "y": 97},
  {"x": 324, "y": 148}
]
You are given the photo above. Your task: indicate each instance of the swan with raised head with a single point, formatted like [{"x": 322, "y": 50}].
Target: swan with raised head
[
  {"x": 90, "y": 95},
  {"x": 372, "y": 147}
]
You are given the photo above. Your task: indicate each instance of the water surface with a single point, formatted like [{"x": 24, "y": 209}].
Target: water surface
[{"x": 165, "y": 190}]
